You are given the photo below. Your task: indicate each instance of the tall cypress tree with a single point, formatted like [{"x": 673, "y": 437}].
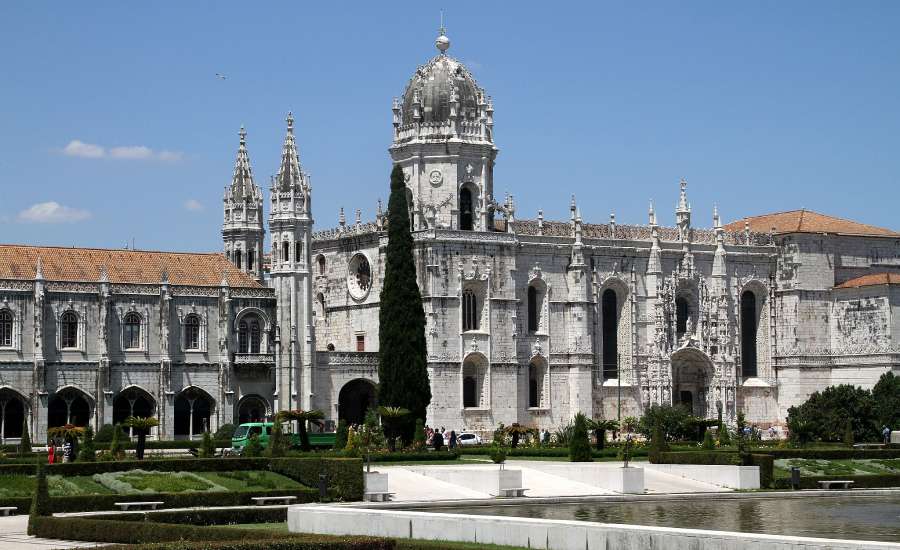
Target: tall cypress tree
[{"x": 402, "y": 372}]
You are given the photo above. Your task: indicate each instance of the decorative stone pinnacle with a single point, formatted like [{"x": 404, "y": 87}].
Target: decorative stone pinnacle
[
  {"x": 342, "y": 220},
  {"x": 290, "y": 122},
  {"x": 243, "y": 134}
]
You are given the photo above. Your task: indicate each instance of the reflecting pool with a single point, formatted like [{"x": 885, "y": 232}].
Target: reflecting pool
[{"x": 844, "y": 517}]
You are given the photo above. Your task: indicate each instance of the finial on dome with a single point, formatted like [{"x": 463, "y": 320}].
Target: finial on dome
[{"x": 442, "y": 43}]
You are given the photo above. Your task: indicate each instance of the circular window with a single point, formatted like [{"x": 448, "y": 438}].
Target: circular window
[{"x": 359, "y": 276}]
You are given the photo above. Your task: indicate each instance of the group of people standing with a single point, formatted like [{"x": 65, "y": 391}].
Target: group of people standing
[{"x": 438, "y": 438}]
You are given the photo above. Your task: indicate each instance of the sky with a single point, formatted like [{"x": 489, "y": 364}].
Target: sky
[{"x": 114, "y": 127}]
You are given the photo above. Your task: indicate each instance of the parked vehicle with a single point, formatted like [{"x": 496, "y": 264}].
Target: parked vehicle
[
  {"x": 263, "y": 430},
  {"x": 467, "y": 438}
]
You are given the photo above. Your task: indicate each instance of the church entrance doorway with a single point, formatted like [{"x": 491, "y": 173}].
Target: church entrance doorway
[
  {"x": 356, "y": 397},
  {"x": 692, "y": 377}
]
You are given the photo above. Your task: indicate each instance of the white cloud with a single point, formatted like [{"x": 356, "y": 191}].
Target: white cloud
[
  {"x": 77, "y": 148},
  {"x": 52, "y": 212},
  {"x": 80, "y": 149},
  {"x": 192, "y": 205}
]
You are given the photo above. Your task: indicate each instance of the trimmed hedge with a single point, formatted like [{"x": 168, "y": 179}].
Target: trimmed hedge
[
  {"x": 214, "y": 516},
  {"x": 413, "y": 457},
  {"x": 344, "y": 475},
  {"x": 831, "y": 454},
  {"x": 872, "y": 481},
  {"x": 611, "y": 451},
  {"x": 132, "y": 532},
  {"x": 188, "y": 499},
  {"x": 765, "y": 462}
]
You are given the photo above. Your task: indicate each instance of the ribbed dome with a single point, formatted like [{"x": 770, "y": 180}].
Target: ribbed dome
[{"x": 433, "y": 81}]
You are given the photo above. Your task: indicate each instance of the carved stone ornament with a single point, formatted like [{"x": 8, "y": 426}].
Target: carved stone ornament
[{"x": 436, "y": 177}]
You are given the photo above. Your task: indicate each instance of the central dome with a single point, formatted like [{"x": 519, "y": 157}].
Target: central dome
[{"x": 434, "y": 81}]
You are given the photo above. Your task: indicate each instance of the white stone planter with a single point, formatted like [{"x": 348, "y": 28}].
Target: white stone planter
[
  {"x": 622, "y": 480},
  {"x": 376, "y": 482},
  {"x": 895, "y": 436}
]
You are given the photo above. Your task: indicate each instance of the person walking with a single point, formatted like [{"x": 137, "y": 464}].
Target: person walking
[
  {"x": 437, "y": 440},
  {"x": 452, "y": 443},
  {"x": 886, "y": 434}
]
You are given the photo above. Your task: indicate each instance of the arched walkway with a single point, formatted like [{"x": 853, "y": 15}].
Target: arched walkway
[
  {"x": 68, "y": 406},
  {"x": 355, "y": 398},
  {"x": 12, "y": 414},
  {"x": 193, "y": 411},
  {"x": 252, "y": 408},
  {"x": 692, "y": 374},
  {"x": 133, "y": 401}
]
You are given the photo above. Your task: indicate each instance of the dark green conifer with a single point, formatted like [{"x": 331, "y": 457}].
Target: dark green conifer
[{"x": 402, "y": 372}]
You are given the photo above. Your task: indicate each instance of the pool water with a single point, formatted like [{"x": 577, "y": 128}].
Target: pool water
[{"x": 845, "y": 517}]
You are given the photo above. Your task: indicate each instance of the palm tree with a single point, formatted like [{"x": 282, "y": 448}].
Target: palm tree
[
  {"x": 516, "y": 431},
  {"x": 302, "y": 417},
  {"x": 600, "y": 427},
  {"x": 141, "y": 426},
  {"x": 390, "y": 419}
]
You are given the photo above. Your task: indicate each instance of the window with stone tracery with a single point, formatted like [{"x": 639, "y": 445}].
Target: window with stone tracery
[
  {"x": 249, "y": 334},
  {"x": 359, "y": 277},
  {"x": 610, "y": 327},
  {"x": 192, "y": 332},
  {"x": 285, "y": 251},
  {"x": 466, "y": 216},
  {"x": 131, "y": 332},
  {"x": 6, "y": 329},
  {"x": 251, "y": 258},
  {"x": 470, "y": 313},
  {"x": 749, "y": 327},
  {"x": 68, "y": 325},
  {"x": 238, "y": 260}
]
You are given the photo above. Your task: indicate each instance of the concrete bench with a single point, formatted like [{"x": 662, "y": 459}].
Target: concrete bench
[
  {"x": 145, "y": 504},
  {"x": 835, "y": 483},
  {"x": 514, "y": 492},
  {"x": 377, "y": 496},
  {"x": 868, "y": 446},
  {"x": 7, "y": 510},
  {"x": 260, "y": 501}
]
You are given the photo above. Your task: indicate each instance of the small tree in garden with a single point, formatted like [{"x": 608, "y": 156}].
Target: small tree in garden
[
  {"x": 391, "y": 420},
  {"x": 141, "y": 426},
  {"x": 25, "y": 445},
  {"x": 116, "y": 448},
  {"x": 579, "y": 446},
  {"x": 40, "y": 501},
  {"x": 886, "y": 395},
  {"x": 419, "y": 439},
  {"x": 224, "y": 432},
  {"x": 340, "y": 436},
  {"x": 516, "y": 431},
  {"x": 278, "y": 443},
  {"x": 253, "y": 448},
  {"x": 658, "y": 444},
  {"x": 370, "y": 437},
  {"x": 88, "y": 452},
  {"x": 709, "y": 443},
  {"x": 208, "y": 446},
  {"x": 743, "y": 440},
  {"x": 600, "y": 427},
  {"x": 302, "y": 417}
]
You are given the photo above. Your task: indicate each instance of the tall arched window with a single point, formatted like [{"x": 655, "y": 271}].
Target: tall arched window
[
  {"x": 321, "y": 265},
  {"x": 610, "y": 317},
  {"x": 533, "y": 308},
  {"x": 192, "y": 332},
  {"x": 131, "y": 331},
  {"x": 285, "y": 251},
  {"x": 536, "y": 374},
  {"x": 238, "y": 260},
  {"x": 320, "y": 301},
  {"x": 249, "y": 334},
  {"x": 298, "y": 250},
  {"x": 470, "y": 396},
  {"x": 251, "y": 258},
  {"x": 469, "y": 310},
  {"x": 748, "y": 334},
  {"x": 6, "y": 329},
  {"x": 465, "y": 209},
  {"x": 69, "y": 330},
  {"x": 681, "y": 315}
]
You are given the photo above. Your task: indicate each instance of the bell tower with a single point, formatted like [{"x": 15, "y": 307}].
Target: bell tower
[{"x": 242, "y": 229}]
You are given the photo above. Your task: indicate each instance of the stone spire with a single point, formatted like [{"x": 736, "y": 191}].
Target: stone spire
[
  {"x": 683, "y": 213},
  {"x": 242, "y": 184},
  {"x": 242, "y": 228},
  {"x": 719, "y": 269},
  {"x": 289, "y": 173}
]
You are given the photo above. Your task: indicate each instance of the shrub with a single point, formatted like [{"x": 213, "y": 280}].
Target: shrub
[
  {"x": 498, "y": 454},
  {"x": 675, "y": 422},
  {"x": 25, "y": 445},
  {"x": 657, "y": 444},
  {"x": 340, "y": 436},
  {"x": 825, "y": 413},
  {"x": 207, "y": 446},
  {"x": 708, "y": 442},
  {"x": 580, "y": 447},
  {"x": 886, "y": 395},
  {"x": 859, "y": 482},
  {"x": 278, "y": 443},
  {"x": 224, "y": 432},
  {"x": 88, "y": 453},
  {"x": 253, "y": 448},
  {"x": 344, "y": 475},
  {"x": 40, "y": 502},
  {"x": 116, "y": 450}
]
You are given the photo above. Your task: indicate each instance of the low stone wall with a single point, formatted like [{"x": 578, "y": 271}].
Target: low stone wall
[
  {"x": 610, "y": 477},
  {"x": 734, "y": 477},
  {"x": 542, "y": 533},
  {"x": 491, "y": 480}
]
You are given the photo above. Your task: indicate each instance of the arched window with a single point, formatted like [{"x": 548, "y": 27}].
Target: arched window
[
  {"x": 192, "y": 332},
  {"x": 238, "y": 260},
  {"x": 131, "y": 331},
  {"x": 249, "y": 335},
  {"x": 320, "y": 301},
  {"x": 465, "y": 209},
  {"x": 610, "y": 317},
  {"x": 533, "y": 308},
  {"x": 470, "y": 397},
  {"x": 469, "y": 310},
  {"x": 285, "y": 251},
  {"x": 251, "y": 258},
  {"x": 321, "y": 265},
  {"x": 681, "y": 315},
  {"x": 748, "y": 334},
  {"x": 69, "y": 330},
  {"x": 536, "y": 374},
  {"x": 255, "y": 335},
  {"x": 298, "y": 251},
  {"x": 6, "y": 329}
]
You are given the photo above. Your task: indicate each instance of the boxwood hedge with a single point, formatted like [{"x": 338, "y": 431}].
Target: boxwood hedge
[{"x": 765, "y": 462}]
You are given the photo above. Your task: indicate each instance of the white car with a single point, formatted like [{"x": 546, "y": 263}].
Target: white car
[{"x": 468, "y": 439}]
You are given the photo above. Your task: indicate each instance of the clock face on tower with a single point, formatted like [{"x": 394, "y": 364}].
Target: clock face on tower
[{"x": 435, "y": 177}]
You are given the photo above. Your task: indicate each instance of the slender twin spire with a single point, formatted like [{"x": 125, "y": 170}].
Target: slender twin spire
[
  {"x": 242, "y": 185},
  {"x": 289, "y": 174}
]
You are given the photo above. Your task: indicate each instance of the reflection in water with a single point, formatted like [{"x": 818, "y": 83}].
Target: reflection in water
[{"x": 859, "y": 518}]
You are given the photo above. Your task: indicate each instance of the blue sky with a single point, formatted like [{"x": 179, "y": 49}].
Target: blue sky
[{"x": 112, "y": 113}]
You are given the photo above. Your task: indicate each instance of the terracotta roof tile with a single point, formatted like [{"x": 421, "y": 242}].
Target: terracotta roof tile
[
  {"x": 122, "y": 266},
  {"x": 807, "y": 221},
  {"x": 874, "y": 279}
]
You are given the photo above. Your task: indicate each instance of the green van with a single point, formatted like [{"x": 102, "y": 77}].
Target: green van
[{"x": 263, "y": 430}]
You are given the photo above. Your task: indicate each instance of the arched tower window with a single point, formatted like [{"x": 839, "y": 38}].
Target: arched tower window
[
  {"x": 131, "y": 331},
  {"x": 533, "y": 309},
  {"x": 470, "y": 310},
  {"x": 681, "y": 315},
  {"x": 748, "y": 334},
  {"x": 320, "y": 301},
  {"x": 537, "y": 372},
  {"x": 321, "y": 261},
  {"x": 251, "y": 259},
  {"x": 610, "y": 317},
  {"x": 192, "y": 332},
  {"x": 285, "y": 251},
  {"x": 6, "y": 329},
  {"x": 69, "y": 330},
  {"x": 465, "y": 209},
  {"x": 238, "y": 260},
  {"x": 298, "y": 250}
]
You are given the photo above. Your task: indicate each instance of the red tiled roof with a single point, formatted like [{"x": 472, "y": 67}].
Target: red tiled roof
[
  {"x": 807, "y": 221},
  {"x": 122, "y": 266},
  {"x": 874, "y": 279}
]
